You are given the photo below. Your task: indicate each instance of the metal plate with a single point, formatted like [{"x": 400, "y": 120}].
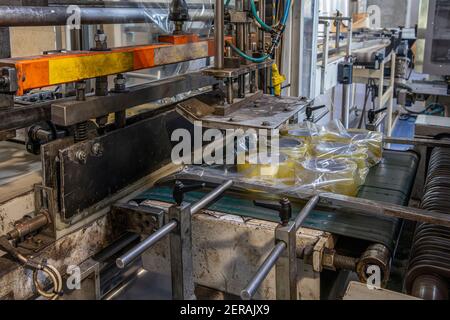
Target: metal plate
[
  {"x": 127, "y": 155},
  {"x": 264, "y": 112}
]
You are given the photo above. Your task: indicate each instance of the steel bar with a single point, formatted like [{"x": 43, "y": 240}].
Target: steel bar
[
  {"x": 68, "y": 67},
  {"x": 18, "y": 16},
  {"x": 263, "y": 271},
  {"x": 331, "y": 200},
  {"x": 67, "y": 113},
  {"x": 346, "y": 102},
  {"x": 135, "y": 252},
  {"x": 432, "y": 143},
  {"x": 303, "y": 214},
  {"x": 336, "y": 18},
  {"x": 210, "y": 197},
  {"x": 219, "y": 36},
  {"x": 24, "y": 116}
]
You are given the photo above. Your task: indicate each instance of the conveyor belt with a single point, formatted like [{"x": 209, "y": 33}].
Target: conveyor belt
[{"x": 391, "y": 181}]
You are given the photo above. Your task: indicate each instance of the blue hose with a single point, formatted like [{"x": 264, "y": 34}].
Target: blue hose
[
  {"x": 257, "y": 18},
  {"x": 247, "y": 57},
  {"x": 286, "y": 12},
  {"x": 262, "y": 23}
]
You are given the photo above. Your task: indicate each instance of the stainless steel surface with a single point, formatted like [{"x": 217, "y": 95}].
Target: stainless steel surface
[
  {"x": 210, "y": 197},
  {"x": 263, "y": 112},
  {"x": 70, "y": 112},
  {"x": 346, "y": 103},
  {"x": 263, "y": 271},
  {"x": 219, "y": 36},
  {"x": 306, "y": 211},
  {"x": 286, "y": 265},
  {"x": 128, "y": 257},
  {"x": 181, "y": 263},
  {"x": 16, "y": 16}
]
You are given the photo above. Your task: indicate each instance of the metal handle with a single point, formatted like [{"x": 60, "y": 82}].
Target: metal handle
[
  {"x": 306, "y": 211},
  {"x": 210, "y": 197},
  {"x": 263, "y": 271},
  {"x": 276, "y": 252},
  {"x": 135, "y": 252}
]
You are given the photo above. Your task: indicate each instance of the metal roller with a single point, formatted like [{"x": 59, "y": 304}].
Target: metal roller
[{"x": 429, "y": 265}]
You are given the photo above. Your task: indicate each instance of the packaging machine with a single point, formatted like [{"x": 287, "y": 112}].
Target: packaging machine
[{"x": 99, "y": 199}]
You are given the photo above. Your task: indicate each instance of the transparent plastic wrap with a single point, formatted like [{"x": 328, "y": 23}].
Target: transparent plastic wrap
[
  {"x": 306, "y": 157},
  {"x": 304, "y": 131},
  {"x": 335, "y": 132},
  {"x": 201, "y": 16},
  {"x": 334, "y": 175},
  {"x": 340, "y": 150},
  {"x": 286, "y": 175}
]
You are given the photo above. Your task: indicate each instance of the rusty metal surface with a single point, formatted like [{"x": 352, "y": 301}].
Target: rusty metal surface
[{"x": 70, "y": 250}]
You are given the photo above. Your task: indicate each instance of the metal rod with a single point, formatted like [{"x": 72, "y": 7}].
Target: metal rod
[
  {"x": 418, "y": 142},
  {"x": 210, "y": 197},
  {"x": 335, "y": 18},
  {"x": 128, "y": 257},
  {"x": 18, "y": 16},
  {"x": 336, "y": 201},
  {"x": 262, "y": 16},
  {"x": 219, "y": 34},
  {"x": 345, "y": 111},
  {"x": 306, "y": 211},
  {"x": 263, "y": 271}
]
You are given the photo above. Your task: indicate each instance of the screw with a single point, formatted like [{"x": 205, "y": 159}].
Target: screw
[
  {"x": 97, "y": 149},
  {"x": 81, "y": 156}
]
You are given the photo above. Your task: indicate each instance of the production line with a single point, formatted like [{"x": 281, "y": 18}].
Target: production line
[{"x": 88, "y": 177}]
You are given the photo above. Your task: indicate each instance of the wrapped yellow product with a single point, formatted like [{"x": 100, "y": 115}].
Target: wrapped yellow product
[
  {"x": 332, "y": 175},
  {"x": 372, "y": 140},
  {"x": 265, "y": 169},
  {"x": 303, "y": 131},
  {"x": 339, "y": 150},
  {"x": 292, "y": 147}
]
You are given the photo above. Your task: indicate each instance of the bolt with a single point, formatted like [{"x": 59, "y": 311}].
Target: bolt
[
  {"x": 97, "y": 149},
  {"x": 100, "y": 40},
  {"x": 81, "y": 156},
  {"x": 120, "y": 82}
]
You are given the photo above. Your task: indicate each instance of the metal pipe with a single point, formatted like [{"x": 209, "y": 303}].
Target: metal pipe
[
  {"x": 335, "y": 18},
  {"x": 210, "y": 197},
  {"x": 262, "y": 16},
  {"x": 306, "y": 211},
  {"x": 263, "y": 271},
  {"x": 27, "y": 226},
  {"x": 129, "y": 256},
  {"x": 345, "y": 108},
  {"x": 18, "y": 16},
  {"x": 219, "y": 37}
]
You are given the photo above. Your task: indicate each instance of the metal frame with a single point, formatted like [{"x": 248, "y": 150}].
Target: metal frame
[{"x": 360, "y": 75}]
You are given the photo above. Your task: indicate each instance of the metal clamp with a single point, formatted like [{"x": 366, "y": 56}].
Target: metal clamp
[
  {"x": 178, "y": 227},
  {"x": 284, "y": 260}
]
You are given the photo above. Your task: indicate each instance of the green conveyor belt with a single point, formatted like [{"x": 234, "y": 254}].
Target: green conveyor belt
[{"x": 390, "y": 181}]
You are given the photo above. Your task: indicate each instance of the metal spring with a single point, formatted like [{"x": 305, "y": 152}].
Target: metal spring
[
  {"x": 429, "y": 264},
  {"x": 81, "y": 131}
]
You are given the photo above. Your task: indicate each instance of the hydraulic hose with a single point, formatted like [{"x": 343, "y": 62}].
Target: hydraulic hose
[
  {"x": 262, "y": 23},
  {"x": 258, "y": 19},
  {"x": 247, "y": 57}
]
